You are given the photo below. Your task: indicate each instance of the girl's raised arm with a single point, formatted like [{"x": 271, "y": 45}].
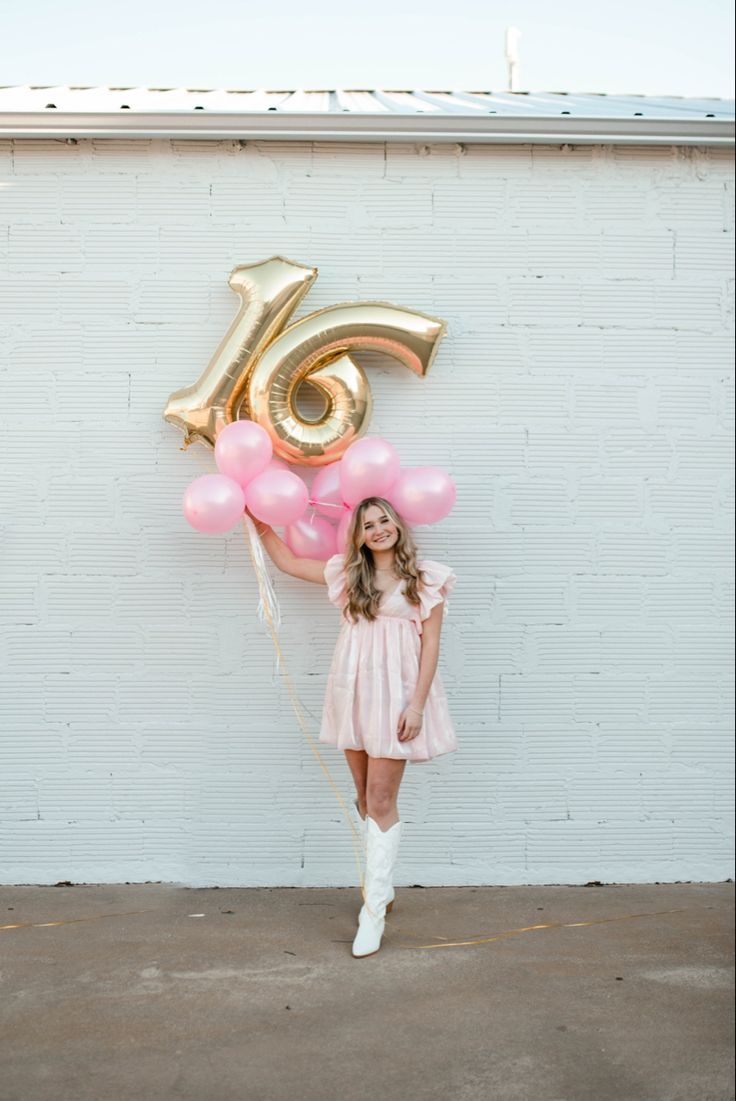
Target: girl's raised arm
[{"x": 309, "y": 569}]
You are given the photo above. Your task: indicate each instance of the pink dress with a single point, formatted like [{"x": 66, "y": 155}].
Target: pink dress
[{"x": 375, "y": 668}]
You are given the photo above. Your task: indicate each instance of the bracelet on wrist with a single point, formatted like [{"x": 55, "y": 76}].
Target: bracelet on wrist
[{"x": 420, "y": 713}]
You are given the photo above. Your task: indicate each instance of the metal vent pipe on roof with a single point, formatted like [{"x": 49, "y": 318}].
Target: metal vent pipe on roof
[{"x": 513, "y": 34}]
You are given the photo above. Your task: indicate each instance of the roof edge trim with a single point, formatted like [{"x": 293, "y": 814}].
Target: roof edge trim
[{"x": 215, "y": 126}]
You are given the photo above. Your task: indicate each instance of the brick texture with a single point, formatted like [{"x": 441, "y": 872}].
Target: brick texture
[{"x": 583, "y": 399}]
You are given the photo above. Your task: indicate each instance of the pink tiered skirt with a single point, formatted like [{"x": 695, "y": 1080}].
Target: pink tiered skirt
[{"x": 372, "y": 679}]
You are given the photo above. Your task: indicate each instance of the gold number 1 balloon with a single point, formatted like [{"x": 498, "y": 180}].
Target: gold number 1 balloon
[{"x": 259, "y": 365}]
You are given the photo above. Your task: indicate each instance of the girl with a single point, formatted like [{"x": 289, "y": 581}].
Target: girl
[{"x": 384, "y": 704}]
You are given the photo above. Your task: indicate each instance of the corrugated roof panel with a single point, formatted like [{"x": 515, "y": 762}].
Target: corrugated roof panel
[
  {"x": 582, "y": 105},
  {"x": 452, "y": 101},
  {"x": 359, "y": 101},
  {"x": 329, "y": 101},
  {"x": 260, "y": 101},
  {"x": 598, "y": 105},
  {"x": 575, "y": 105},
  {"x": 405, "y": 101},
  {"x": 592, "y": 105},
  {"x": 363, "y": 114},
  {"x": 314, "y": 102},
  {"x": 509, "y": 103}
]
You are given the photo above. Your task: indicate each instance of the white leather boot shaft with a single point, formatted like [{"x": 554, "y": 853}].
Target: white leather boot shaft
[
  {"x": 362, "y": 827},
  {"x": 380, "y": 861}
]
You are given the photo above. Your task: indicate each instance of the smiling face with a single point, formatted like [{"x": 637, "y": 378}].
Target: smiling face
[{"x": 379, "y": 530}]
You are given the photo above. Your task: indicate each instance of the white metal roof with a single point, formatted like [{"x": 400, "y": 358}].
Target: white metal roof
[{"x": 377, "y": 114}]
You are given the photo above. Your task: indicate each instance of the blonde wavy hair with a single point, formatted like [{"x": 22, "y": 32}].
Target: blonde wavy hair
[{"x": 363, "y": 596}]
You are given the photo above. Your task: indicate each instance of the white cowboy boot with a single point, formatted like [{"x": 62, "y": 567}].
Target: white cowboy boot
[
  {"x": 362, "y": 830},
  {"x": 361, "y": 824},
  {"x": 380, "y": 861}
]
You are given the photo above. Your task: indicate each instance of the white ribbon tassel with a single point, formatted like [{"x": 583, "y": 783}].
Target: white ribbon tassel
[{"x": 268, "y": 605}]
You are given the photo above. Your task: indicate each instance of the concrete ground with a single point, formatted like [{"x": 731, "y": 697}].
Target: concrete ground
[{"x": 154, "y": 991}]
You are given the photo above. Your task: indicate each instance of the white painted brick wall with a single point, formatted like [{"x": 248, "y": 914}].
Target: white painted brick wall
[{"x": 583, "y": 399}]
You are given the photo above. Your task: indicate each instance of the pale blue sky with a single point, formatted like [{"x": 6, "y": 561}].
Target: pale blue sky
[{"x": 677, "y": 47}]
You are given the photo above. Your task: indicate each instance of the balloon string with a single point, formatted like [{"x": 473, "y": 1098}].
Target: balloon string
[
  {"x": 325, "y": 504},
  {"x": 549, "y": 925},
  {"x": 456, "y": 944},
  {"x": 68, "y": 921},
  {"x": 265, "y": 588}
]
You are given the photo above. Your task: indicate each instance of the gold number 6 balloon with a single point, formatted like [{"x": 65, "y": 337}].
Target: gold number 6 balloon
[{"x": 259, "y": 365}]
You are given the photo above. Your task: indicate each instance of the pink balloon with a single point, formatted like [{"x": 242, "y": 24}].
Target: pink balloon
[
  {"x": 242, "y": 450},
  {"x": 423, "y": 494},
  {"x": 276, "y": 464},
  {"x": 213, "y": 504},
  {"x": 368, "y": 468},
  {"x": 311, "y": 538},
  {"x": 326, "y": 495},
  {"x": 342, "y": 531},
  {"x": 277, "y": 497}
]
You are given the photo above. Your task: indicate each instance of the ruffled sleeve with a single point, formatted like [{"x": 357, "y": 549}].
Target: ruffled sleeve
[
  {"x": 335, "y": 578},
  {"x": 440, "y": 581}
]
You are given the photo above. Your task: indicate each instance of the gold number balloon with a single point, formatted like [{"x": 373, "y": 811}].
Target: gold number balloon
[{"x": 260, "y": 365}]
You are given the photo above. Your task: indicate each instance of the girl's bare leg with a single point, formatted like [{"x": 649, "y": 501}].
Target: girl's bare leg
[
  {"x": 358, "y": 762},
  {"x": 382, "y": 790}
]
